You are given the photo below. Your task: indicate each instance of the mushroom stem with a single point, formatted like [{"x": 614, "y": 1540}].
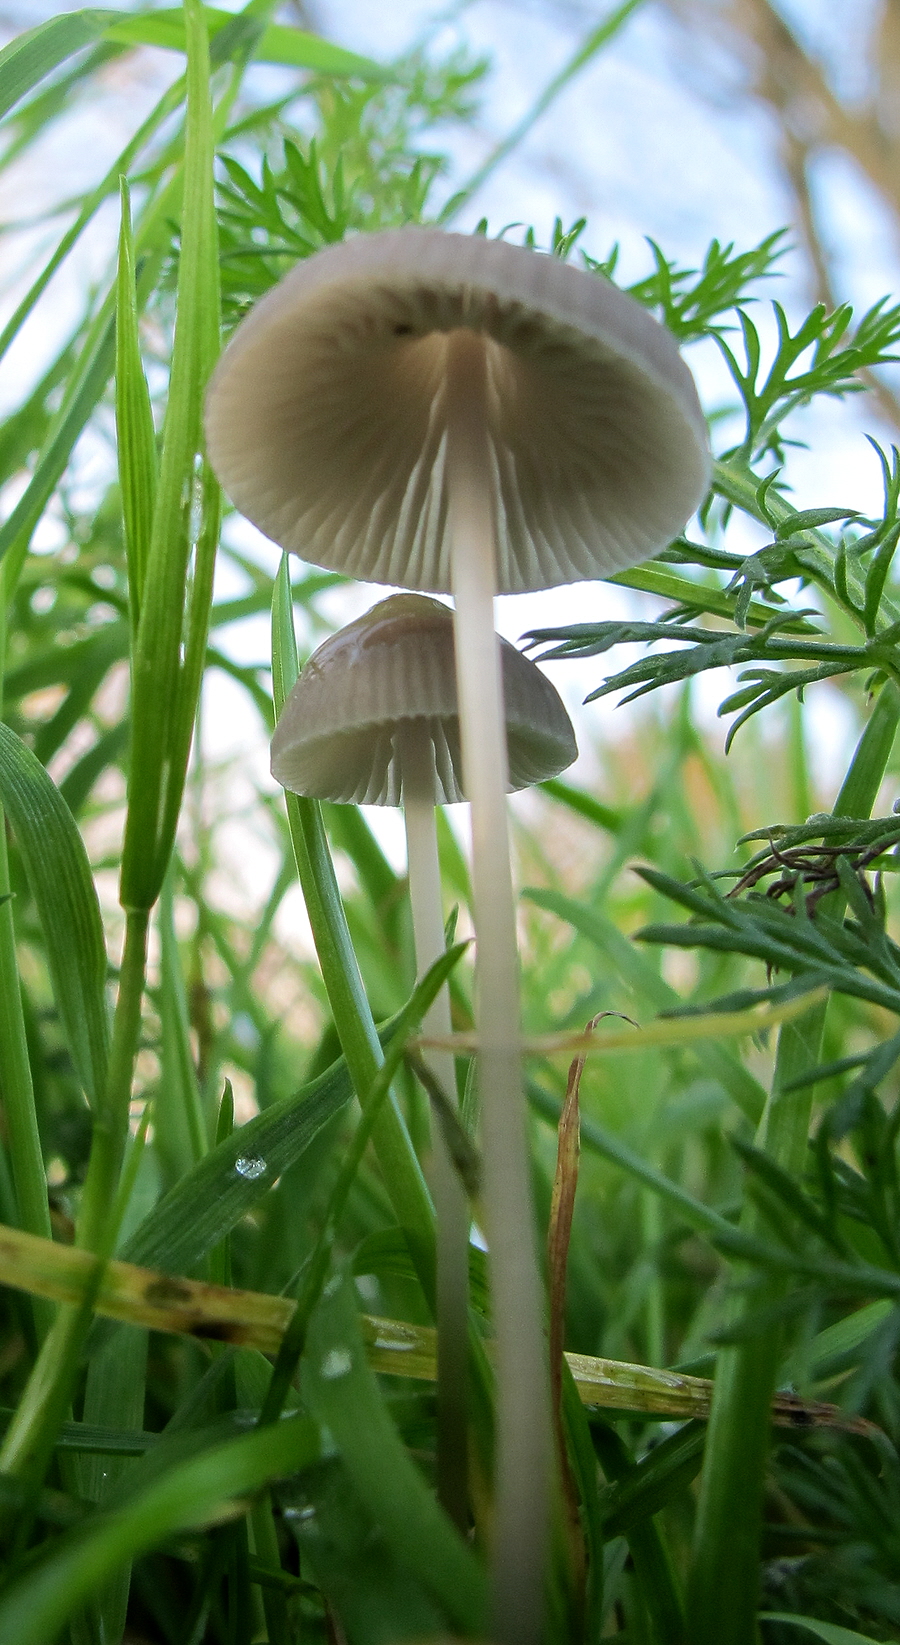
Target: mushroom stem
[
  {"x": 451, "y": 1206},
  {"x": 524, "y": 1437}
]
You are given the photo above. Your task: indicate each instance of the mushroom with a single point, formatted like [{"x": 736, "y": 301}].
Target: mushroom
[
  {"x": 373, "y": 720},
  {"x": 456, "y": 414}
]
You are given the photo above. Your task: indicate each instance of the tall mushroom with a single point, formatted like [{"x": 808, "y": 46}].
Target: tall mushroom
[
  {"x": 456, "y": 414},
  {"x": 373, "y": 720}
]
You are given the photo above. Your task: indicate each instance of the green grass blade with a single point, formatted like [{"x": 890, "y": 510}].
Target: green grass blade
[
  {"x": 583, "y": 1464},
  {"x": 725, "y": 1572},
  {"x": 828, "y": 1632},
  {"x": 198, "y": 605},
  {"x": 658, "y": 1584},
  {"x": 28, "y": 59},
  {"x": 664, "y": 1471},
  {"x": 836, "y": 1342},
  {"x": 211, "y": 1200},
  {"x": 169, "y": 101},
  {"x": 160, "y": 704},
  {"x": 292, "y": 48},
  {"x": 32, "y": 119},
  {"x": 178, "y": 1118},
  {"x": 16, "y": 1081},
  {"x": 637, "y": 970},
  {"x": 59, "y": 877},
  {"x": 23, "y": 1138},
  {"x": 134, "y": 419},
  {"x": 113, "y": 1395},
  {"x": 344, "y": 1395},
  {"x": 409, "y": 1019},
  {"x": 660, "y": 580},
  {"x": 596, "y": 1137},
  {"x": 86, "y": 385},
  {"x": 190, "y": 1495}
]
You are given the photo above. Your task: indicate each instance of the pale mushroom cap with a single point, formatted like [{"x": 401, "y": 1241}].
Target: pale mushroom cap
[
  {"x": 352, "y": 709},
  {"x": 326, "y": 415}
]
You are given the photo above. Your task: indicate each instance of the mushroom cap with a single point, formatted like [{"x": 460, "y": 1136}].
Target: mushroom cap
[
  {"x": 384, "y": 688},
  {"x": 326, "y": 416}
]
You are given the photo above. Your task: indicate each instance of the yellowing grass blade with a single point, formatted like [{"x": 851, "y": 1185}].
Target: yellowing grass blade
[
  {"x": 710, "y": 1025},
  {"x": 187, "y": 1307}
]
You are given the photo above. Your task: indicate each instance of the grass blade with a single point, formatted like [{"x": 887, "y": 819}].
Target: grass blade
[
  {"x": 147, "y": 1297},
  {"x": 726, "y": 1546},
  {"x": 119, "y": 169},
  {"x": 59, "y": 876},
  {"x": 292, "y": 48},
  {"x": 343, "y": 1394},
  {"x": 190, "y": 1495},
  {"x": 28, "y": 59},
  {"x": 828, "y": 1632},
  {"x": 134, "y": 419},
  {"x": 163, "y": 694},
  {"x": 211, "y": 1200},
  {"x": 16, "y": 1080}
]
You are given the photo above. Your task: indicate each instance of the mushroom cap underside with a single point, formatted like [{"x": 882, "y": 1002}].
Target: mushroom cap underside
[
  {"x": 378, "y": 700},
  {"x": 326, "y": 416}
]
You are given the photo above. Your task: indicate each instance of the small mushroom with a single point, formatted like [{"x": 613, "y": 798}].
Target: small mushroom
[
  {"x": 456, "y": 414},
  {"x": 373, "y": 720}
]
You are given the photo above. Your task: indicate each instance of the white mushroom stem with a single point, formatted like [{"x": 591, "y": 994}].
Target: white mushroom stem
[
  {"x": 524, "y": 1434},
  {"x": 451, "y": 1206}
]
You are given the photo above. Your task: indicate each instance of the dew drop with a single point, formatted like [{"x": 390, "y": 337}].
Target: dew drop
[
  {"x": 250, "y": 1166},
  {"x": 336, "y": 1364}
]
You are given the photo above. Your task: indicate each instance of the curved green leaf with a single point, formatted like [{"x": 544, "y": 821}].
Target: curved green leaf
[
  {"x": 190, "y": 1495},
  {"x": 59, "y": 877},
  {"x": 827, "y": 1631},
  {"x": 211, "y": 1199},
  {"x": 292, "y": 48},
  {"x": 33, "y": 55},
  {"x": 342, "y": 1393}
]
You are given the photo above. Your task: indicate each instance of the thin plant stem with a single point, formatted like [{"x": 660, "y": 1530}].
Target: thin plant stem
[
  {"x": 524, "y": 1430},
  {"x": 450, "y": 1201}
]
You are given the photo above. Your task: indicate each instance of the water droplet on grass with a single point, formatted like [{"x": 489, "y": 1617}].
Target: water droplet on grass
[
  {"x": 396, "y": 1344},
  {"x": 337, "y": 1363},
  {"x": 250, "y": 1166}
]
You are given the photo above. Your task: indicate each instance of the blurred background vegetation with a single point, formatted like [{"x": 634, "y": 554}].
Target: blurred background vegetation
[{"x": 685, "y": 121}]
